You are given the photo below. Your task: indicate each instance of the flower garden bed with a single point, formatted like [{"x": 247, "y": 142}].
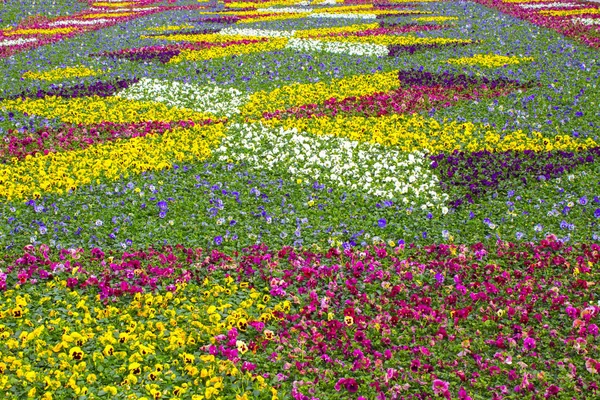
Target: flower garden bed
[{"x": 280, "y": 199}]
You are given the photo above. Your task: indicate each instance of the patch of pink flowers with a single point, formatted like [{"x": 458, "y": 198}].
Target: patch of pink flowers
[
  {"x": 566, "y": 25},
  {"x": 78, "y": 137},
  {"x": 440, "y": 321},
  {"x": 405, "y": 100}
]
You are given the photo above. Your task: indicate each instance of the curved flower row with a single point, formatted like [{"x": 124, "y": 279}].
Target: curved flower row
[
  {"x": 64, "y": 171},
  {"x": 298, "y": 94},
  {"x": 72, "y": 137},
  {"x": 95, "y": 109},
  {"x": 554, "y": 19},
  {"x": 232, "y": 50},
  {"x": 416, "y": 132}
]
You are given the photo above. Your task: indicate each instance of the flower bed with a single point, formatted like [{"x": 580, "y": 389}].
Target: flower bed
[
  {"x": 388, "y": 322},
  {"x": 275, "y": 199}
]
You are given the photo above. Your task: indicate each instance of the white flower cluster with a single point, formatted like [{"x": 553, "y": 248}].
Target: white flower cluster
[
  {"x": 290, "y": 10},
  {"x": 16, "y": 42},
  {"x": 356, "y": 49},
  {"x": 255, "y": 32},
  {"x": 588, "y": 21},
  {"x": 210, "y": 99},
  {"x": 69, "y": 22},
  {"x": 120, "y": 10},
  {"x": 342, "y": 16},
  {"x": 370, "y": 168},
  {"x": 547, "y": 5}
]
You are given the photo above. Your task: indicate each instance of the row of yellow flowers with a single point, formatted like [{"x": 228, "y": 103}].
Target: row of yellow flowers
[
  {"x": 107, "y": 4},
  {"x": 566, "y": 13},
  {"x": 62, "y": 73},
  {"x": 388, "y": 40},
  {"x": 63, "y": 171},
  {"x": 95, "y": 109},
  {"x": 306, "y": 93},
  {"x": 245, "y": 4},
  {"x": 489, "y": 60},
  {"x": 39, "y": 31},
  {"x": 219, "y": 52},
  {"x": 317, "y": 32},
  {"x": 416, "y": 132}
]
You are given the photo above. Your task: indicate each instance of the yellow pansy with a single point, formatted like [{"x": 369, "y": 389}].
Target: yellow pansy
[
  {"x": 40, "y": 31},
  {"x": 305, "y": 93},
  {"x": 416, "y": 132},
  {"x": 59, "y": 172},
  {"x": 61, "y": 73},
  {"x": 566, "y": 13},
  {"x": 262, "y": 46},
  {"x": 489, "y": 60}
]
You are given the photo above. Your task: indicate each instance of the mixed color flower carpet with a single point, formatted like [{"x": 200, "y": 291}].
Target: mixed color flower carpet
[{"x": 285, "y": 199}]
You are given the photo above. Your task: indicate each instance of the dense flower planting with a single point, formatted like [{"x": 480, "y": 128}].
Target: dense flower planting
[
  {"x": 286, "y": 199},
  {"x": 381, "y": 322}
]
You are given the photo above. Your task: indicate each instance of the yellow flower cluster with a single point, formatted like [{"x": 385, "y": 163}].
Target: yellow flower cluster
[
  {"x": 566, "y": 13},
  {"x": 63, "y": 171},
  {"x": 318, "y": 32},
  {"x": 94, "y": 109},
  {"x": 61, "y": 73},
  {"x": 416, "y": 132},
  {"x": 107, "y": 15},
  {"x": 113, "y": 5},
  {"x": 219, "y": 52},
  {"x": 489, "y": 60},
  {"x": 170, "y": 28},
  {"x": 306, "y": 93},
  {"x": 40, "y": 31},
  {"x": 435, "y": 19},
  {"x": 278, "y": 17},
  {"x": 153, "y": 345},
  {"x": 387, "y": 40},
  {"x": 262, "y": 4}
]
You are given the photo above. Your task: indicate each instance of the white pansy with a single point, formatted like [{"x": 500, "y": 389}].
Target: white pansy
[
  {"x": 120, "y": 10},
  {"x": 371, "y": 168},
  {"x": 80, "y": 22},
  {"x": 292, "y": 10},
  {"x": 231, "y": 31},
  {"x": 210, "y": 99},
  {"x": 16, "y": 42},
  {"x": 342, "y": 16},
  {"x": 587, "y": 21},
  {"x": 358, "y": 49},
  {"x": 548, "y": 5}
]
